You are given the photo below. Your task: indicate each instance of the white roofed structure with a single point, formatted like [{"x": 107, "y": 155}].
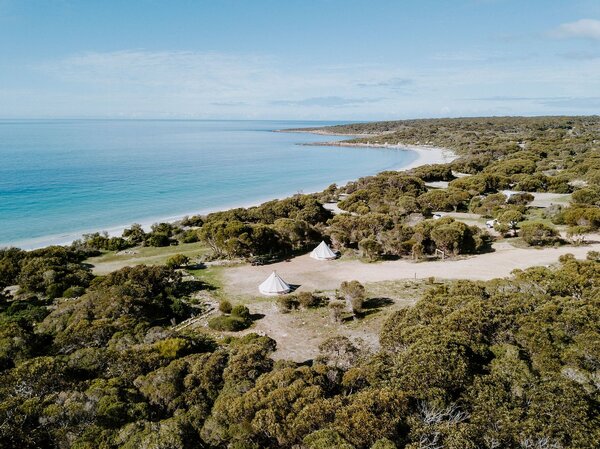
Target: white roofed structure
[
  {"x": 274, "y": 285},
  {"x": 323, "y": 252}
]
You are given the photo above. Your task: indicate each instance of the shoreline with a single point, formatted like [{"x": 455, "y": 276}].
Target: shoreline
[
  {"x": 425, "y": 155},
  {"x": 320, "y": 132}
]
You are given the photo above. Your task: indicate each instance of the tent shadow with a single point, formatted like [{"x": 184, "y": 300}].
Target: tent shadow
[{"x": 294, "y": 287}]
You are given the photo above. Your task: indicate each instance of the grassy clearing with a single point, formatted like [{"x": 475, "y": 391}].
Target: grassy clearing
[
  {"x": 113, "y": 260},
  {"x": 538, "y": 216},
  {"x": 212, "y": 277}
]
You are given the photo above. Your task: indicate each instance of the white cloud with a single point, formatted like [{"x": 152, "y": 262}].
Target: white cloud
[
  {"x": 331, "y": 101},
  {"x": 584, "y": 28},
  {"x": 199, "y": 82},
  {"x": 394, "y": 84},
  {"x": 180, "y": 71},
  {"x": 140, "y": 83}
]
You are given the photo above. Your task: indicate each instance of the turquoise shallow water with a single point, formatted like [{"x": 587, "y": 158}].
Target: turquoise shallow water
[{"x": 59, "y": 178}]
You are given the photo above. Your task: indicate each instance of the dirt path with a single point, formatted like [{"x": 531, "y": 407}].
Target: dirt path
[{"x": 311, "y": 274}]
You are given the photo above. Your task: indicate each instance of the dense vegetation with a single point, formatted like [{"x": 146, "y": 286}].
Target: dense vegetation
[
  {"x": 100, "y": 362},
  {"x": 505, "y": 363}
]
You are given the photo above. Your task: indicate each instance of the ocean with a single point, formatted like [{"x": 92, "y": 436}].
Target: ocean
[{"x": 62, "y": 178}]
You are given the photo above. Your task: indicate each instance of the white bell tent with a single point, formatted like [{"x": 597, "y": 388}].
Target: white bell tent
[
  {"x": 323, "y": 252},
  {"x": 274, "y": 285}
]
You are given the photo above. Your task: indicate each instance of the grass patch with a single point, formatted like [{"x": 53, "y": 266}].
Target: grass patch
[
  {"x": 211, "y": 276},
  {"x": 113, "y": 260},
  {"x": 538, "y": 216}
]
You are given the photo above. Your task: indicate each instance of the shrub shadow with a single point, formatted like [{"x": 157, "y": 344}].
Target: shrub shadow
[
  {"x": 189, "y": 287},
  {"x": 375, "y": 303}
]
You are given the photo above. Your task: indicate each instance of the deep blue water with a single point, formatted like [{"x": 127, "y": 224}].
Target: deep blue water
[{"x": 59, "y": 178}]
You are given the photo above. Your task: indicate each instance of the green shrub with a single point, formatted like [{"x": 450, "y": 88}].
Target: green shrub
[
  {"x": 194, "y": 220},
  {"x": 177, "y": 261},
  {"x": 308, "y": 299},
  {"x": 54, "y": 291},
  {"x": 190, "y": 236},
  {"x": 539, "y": 234},
  {"x": 286, "y": 303},
  {"x": 158, "y": 239},
  {"x": 73, "y": 292},
  {"x": 225, "y": 306},
  {"x": 326, "y": 439},
  {"x": 588, "y": 195},
  {"x": 593, "y": 255},
  {"x": 336, "y": 311},
  {"x": 241, "y": 311},
  {"x": 384, "y": 443},
  {"x": 228, "y": 323},
  {"x": 353, "y": 292}
]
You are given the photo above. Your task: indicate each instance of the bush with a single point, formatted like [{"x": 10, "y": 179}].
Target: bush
[
  {"x": 54, "y": 291},
  {"x": 194, "y": 220},
  {"x": 286, "y": 303},
  {"x": 354, "y": 294},
  {"x": 520, "y": 199},
  {"x": 384, "y": 443},
  {"x": 336, "y": 310},
  {"x": 228, "y": 323},
  {"x": 73, "y": 292},
  {"x": 370, "y": 248},
  {"x": 225, "y": 306},
  {"x": 588, "y": 195},
  {"x": 539, "y": 234},
  {"x": 357, "y": 305},
  {"x": 177, "y": 261},
  {"x": 593, "y": 255},
  {"x": 190, "y": 236},
  {"x": 326, "y": 439},
  {"x": 101, "y": 241},
  {"x": 158, "y": 239},
  {"x": 241, "y": 311},
  {"x": 307, "y": 300}
]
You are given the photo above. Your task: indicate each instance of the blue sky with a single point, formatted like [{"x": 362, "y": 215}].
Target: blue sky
[{"x": 298, "y": 59}]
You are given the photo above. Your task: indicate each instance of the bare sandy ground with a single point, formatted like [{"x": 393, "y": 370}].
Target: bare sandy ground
[
  {"x": 298, "y": 334},
  {"x": 311, "y": 274},
  {"x": 547, "y": 199},
  {"x": 428, "y": 155}
]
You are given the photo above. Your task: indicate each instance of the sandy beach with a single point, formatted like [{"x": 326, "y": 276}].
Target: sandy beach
[{"x": 425, "y": 154}]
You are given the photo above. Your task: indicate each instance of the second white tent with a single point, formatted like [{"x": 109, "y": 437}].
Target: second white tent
[{"x": 323, "y": 252}]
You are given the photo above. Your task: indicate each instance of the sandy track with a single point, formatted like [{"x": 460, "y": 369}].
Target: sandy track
[{"x": 311, "y": 274}]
